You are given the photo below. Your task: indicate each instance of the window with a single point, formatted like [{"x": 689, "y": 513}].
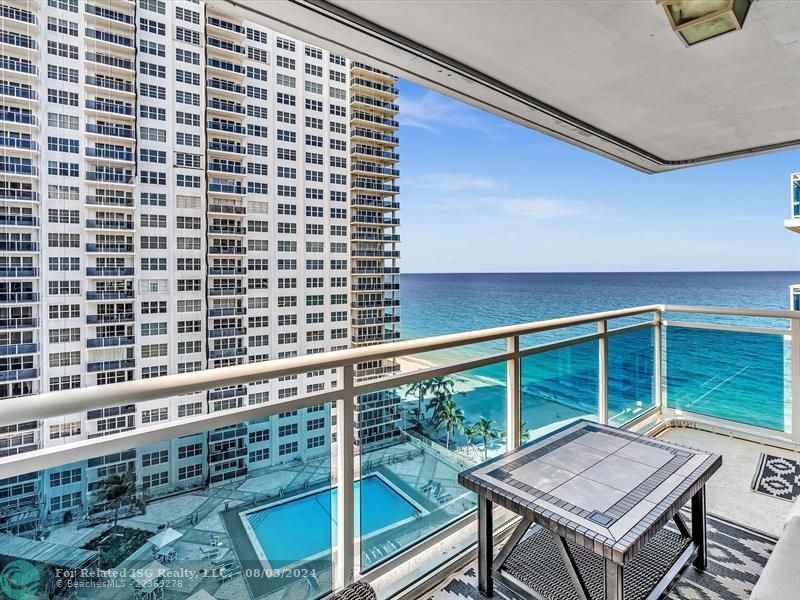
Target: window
[
  {"x": 154, "y": 415},
  {"x": 190, "y": 472},
  {"x": 154, "y": 329},
  {"x": 285, "y": 44},
  {"x": 285, "y": 449}
]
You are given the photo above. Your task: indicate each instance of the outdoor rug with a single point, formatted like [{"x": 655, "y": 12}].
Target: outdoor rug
[
  {"x": 778, "y": 477},
  {"x": 736, "y": 557}
]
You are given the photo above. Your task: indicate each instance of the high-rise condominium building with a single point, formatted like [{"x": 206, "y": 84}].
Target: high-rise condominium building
[
  {"x": 182, "y": 190},
  {"x": 793, "y": 224}
]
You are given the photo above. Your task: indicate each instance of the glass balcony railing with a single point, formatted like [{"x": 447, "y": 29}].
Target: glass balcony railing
[
  {"x": 20, "y": 66},
  {"x": 15, "y": 349},
  {"x": 110, "y": 84},
  {"x": 248, "y": 482},
  {"x": 18, "y": 117},
  {"x": 111, "y": 294},
  {"x": 18, "y": 91}
]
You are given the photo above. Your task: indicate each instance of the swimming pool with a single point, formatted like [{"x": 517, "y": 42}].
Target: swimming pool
[{"x": 304, "y": 527}]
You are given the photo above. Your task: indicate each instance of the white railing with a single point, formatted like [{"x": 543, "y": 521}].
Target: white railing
[{"x": 56, "y": 404}]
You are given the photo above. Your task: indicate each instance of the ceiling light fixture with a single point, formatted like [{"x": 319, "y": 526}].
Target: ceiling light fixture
[{"x": 699, "y": 20}]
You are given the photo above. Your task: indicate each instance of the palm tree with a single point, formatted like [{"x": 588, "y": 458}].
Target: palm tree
[
  {"x": 526, "y": 432},
  {"x": 118, "y": 490},
  {"x": 488, "y": 432},
  {"x": 419, "y": 389},
  {"x": 450, "y": 417},
  {"x": 471, "y": 433},
  {"x": 442, "y": 390}
]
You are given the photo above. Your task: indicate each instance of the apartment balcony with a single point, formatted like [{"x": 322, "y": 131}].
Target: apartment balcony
[
  {"x": 366, "y": 219},
  {"x": 26, "y": 146},
  {"x": 227, "y": 168},
  {"x": 359, "y": 252},
  {"x": 370, "y": 153},
  {"x": 361, "y": 168},
  {"x": 25, "y": 119},
  {"x": 110, "y": 295},
  {"x": 226, "y": 148},
  {"x": 368, "y": 302},
  {"x": 226, "y": 312},
  {"x": 10, "y": 16},
  {"x": 369, "y": 236},
  {"x": 111, "y": 342},
  {"x": 227, "y": 188},
  {"x": 369, "y": 185},
  {"x": 103, "y": 319},
  {"x": 227, "y": 291},
  {"x": 225, "y": 48},
  {"x": 375, "y": 287},
  {"x": 375, "y": 202},
  {"x": 381, "y": 270},
  {"x": 227, "y": 352},
  {"x": 227, "y": 250},
  {"x": 227, "y": 332},
  {"x": 110, "y": 248},
  {"x": 18, "y": 349},
  {"x": 118, "y": 109},
  {"x": 383, "y": 319},
  {"x": 22, "y": 169},
  {"x": 226, "y": 108},
  {"x": 364, "y": 119},
  {"x": 226, "y": 271},
  {"x": 387, "y": 109},
  {"x": 107, "y": 224},
  {"x": 7, "y": 220},
  {"x": 373, "y": 83},
  {"x": 19, "y": 374},
  {"x": 19, "y": 272},
  {"x": 225, "y": 68},
  {"x": 109, "y": 41},
  {"x": 122, "y": 87},
  {"x": 109, "y": 272},
  {"x": 360, "y": 134},
  {"x": 113, "y": 66},
  {"x": 19, "y": 323},
  {"x": 110, "y": 365},
  {"x": 110, "y": 18},
  {"x": 226, "y": 209},
  {"x": 117, "y": 202},
  {"x": 228, "y": 88},
  {"x": 18, "y": 44},
  {"x": 226, "y": 230},
  {"x": 109, "y": 131},
  {"x": 19, "y": 246},
  {"x": 18, "y": 297},
  {"x": 18, "y": 70},
  {"x": 225, "y": 29},
  {"x": 228, "y": 128}
]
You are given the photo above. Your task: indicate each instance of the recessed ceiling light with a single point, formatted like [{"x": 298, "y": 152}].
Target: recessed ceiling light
[{"x": 699, "y": 20}]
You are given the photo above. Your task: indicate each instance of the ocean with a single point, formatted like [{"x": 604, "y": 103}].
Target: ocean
[{"x": 741, "y": 376}]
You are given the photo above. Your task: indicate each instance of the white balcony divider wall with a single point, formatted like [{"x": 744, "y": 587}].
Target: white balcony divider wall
[{"x": 346, "y": 555}]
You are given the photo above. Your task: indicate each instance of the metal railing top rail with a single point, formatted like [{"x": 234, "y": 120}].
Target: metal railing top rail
[{"x": 57, "y": 404}]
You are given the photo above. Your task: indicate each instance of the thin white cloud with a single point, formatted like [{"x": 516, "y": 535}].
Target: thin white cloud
[
  {"x": 454, "y": 182},
  {"x": 434, "y": 112},
  {"x": 525, "y": 209}
]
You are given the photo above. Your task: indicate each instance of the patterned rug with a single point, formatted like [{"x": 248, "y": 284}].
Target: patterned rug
[
  {"x": 778, "y": 477},
  {"x": 736, "y": 557}
]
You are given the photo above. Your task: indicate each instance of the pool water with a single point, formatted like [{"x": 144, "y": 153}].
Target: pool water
[{"x": 304, "y": 527}]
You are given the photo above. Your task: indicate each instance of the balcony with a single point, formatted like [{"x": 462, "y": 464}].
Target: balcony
[
  {"x": 17, "y": 349},
  {"x": 227, "y": 230},
  {"x": 636, "y": 369},
  {"x": 19, "y": 323},
  {"x": 227, "y": 209},
  {"x": 19, "y": 118},
  {"x": 108, "y": 83},
  {"x": 227, "y": 250},
  {"x": 109, "y": 272},
  {"x": 225, "y": 27},
  {"x": 234, "y": 128},
  {"x": 226, "y": 188},
  {"x": 226, "y": 148},
  {"x": 108, "y": 224},
  {"x": 228, "y": 332},
  {"x": 111, "y": 342},
  {"x": 375, "y": 186},
  {"x": 23, "y": 272},
  {"x": 226, "y": 312},
  {"x": 99, "y": 296},
  {"x": 109, "y": 130},
  {"x": 227, "y": 291},
  {"x": 18, "y": 246},
  {"x": 18, "y": 297},
  {"x": 110, "y": 248},
  {"x": 109, "y": 318},
  {"x": 114, "y": 201},
  {"x": 115, "y": 108},
  {"x": 110, "y": 365}
]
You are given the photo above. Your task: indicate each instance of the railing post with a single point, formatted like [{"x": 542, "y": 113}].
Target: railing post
[
  {"x": 602, "y": 373},
  {"x": 345, "y": 567},
  {"x": 513, "y": 395},
  {"x": 658, "y": 392},
  {"x": 794, "y": 332}
]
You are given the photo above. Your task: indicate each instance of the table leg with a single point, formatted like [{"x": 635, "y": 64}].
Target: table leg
[
  {"x": 699, "y": 528},
  {"x": 614, "y": 581},
  {"x": 485, "y": 546}
]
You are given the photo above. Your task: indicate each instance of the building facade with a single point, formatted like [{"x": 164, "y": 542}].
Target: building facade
[
  {"x": 181, "y": 190},
  {"x": 793, "y": 224}
]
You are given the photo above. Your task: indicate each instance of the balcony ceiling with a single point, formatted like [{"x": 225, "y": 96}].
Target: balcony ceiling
[{"x": 608, "y": 76}]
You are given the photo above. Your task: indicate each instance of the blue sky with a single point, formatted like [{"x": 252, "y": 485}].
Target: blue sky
[{"x": 480, "y": 194}]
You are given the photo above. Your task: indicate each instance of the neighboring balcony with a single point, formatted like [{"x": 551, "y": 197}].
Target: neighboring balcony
[
  {"x": 111, "y": 342},
  {"x": 109, "y": 272},
  {"x": 793, "y": 223},
  {"x": 109, "y": 318},
  {"x": 110, "y": 248},
  {"x": 110, "y": 365}
]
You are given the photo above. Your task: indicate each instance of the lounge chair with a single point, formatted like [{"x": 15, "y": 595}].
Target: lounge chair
[
  {"x": 780, "y": 579},
  {"x": 360, "y": 590}
]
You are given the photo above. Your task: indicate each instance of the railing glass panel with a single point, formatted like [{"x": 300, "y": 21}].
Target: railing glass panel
[
  {"x": 732, "y": 375},
  {"x": 408, "y": 487},
  {"x": 227, "y": 509},
  {"x": 559, "y": 386},
  {"x": 631, "y": 374}
]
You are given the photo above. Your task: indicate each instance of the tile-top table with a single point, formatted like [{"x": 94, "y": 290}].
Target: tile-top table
[{"x": 594, "y": 501}]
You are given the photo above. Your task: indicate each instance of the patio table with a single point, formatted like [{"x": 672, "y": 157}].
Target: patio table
[{"x": 594, "y": 502}]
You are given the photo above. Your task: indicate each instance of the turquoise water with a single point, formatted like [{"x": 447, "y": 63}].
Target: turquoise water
[
  {"x": 738, "y": 376},
  {"x": 304, "y": 527}
]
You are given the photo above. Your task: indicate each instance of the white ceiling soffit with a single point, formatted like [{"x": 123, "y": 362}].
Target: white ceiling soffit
[{"x": 609, "y": 76}]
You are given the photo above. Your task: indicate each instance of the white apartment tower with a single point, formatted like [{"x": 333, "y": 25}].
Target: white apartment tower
[
  {"x": 793, "y": 224},
  {"x": 181, "y": 190}
]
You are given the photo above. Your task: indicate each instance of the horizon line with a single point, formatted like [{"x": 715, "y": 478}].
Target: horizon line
[{"x": 596, "y": 272}]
